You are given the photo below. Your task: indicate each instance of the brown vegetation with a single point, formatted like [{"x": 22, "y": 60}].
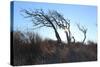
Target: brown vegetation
[{"x": 30, "y": 48}]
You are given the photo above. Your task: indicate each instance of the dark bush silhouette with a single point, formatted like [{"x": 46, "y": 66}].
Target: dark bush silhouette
[{"x": 29, "y": 48}]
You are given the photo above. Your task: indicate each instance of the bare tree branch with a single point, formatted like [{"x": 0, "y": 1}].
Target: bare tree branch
[
  {"x": 41, "y": 19},
  {"x": 83, "y": 30}
]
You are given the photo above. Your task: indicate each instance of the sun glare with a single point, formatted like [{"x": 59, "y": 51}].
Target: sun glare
[{"x": 62, "y": 35}]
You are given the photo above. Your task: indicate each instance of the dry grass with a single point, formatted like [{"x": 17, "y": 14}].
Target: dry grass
[{"x": 30, "y": 48}]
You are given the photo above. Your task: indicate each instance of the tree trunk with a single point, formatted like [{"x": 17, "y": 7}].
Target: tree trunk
[
  {"x": 84, "y": 38},
  {"x": 73, "y": 39},
  {"x": 56, "y": 33},
  {"x": 68, "y": 38}
]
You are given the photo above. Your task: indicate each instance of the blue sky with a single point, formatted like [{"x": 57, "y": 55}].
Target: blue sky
[{"x": 82, "y": 14}]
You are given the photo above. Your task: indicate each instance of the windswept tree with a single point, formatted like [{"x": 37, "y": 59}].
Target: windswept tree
[
  {"x": 42, "y": 18},
  {"x": 51, "y": 19},
  {"x": 83, "y": 30},
  {"x": 64, "y": 24}
]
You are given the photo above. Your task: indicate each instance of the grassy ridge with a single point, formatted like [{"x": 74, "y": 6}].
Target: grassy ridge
[{"x": 30, "y": 48}]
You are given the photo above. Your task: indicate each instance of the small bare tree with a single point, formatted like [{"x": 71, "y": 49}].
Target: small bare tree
[
  {"x": 65, "y": 25},
  {"x": 83, "y": 30}
]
